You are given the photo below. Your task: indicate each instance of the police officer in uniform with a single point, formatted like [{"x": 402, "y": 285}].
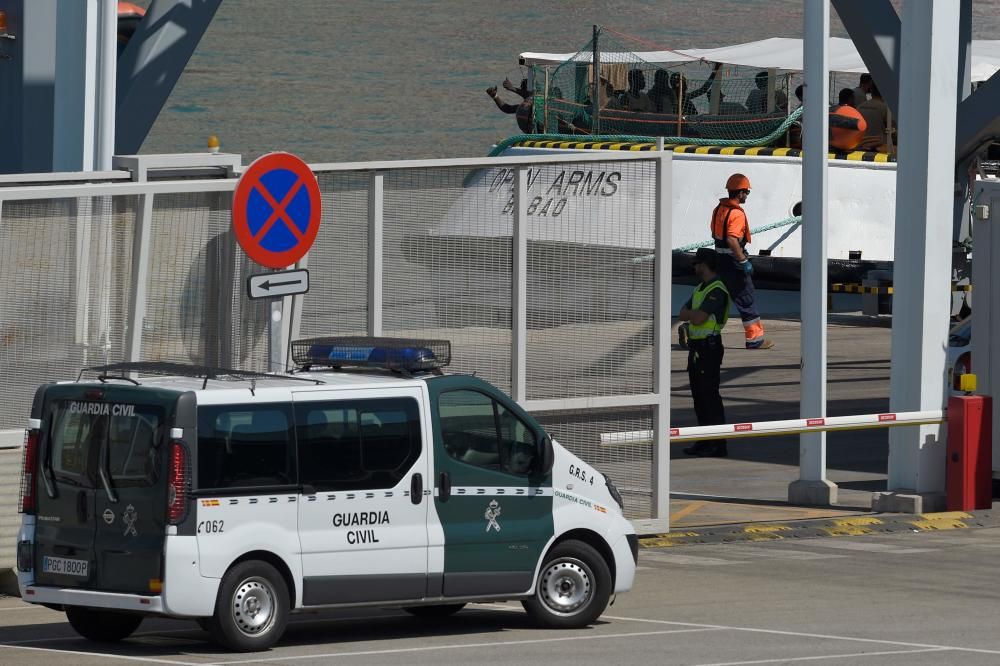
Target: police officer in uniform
[{"x": 706, "y": 313}]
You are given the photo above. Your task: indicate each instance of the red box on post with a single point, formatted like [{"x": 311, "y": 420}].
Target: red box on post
[{"x": 970, "y": 453}]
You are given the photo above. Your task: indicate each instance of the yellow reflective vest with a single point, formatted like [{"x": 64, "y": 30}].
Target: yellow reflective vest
[{"x": 710, "y": 326}]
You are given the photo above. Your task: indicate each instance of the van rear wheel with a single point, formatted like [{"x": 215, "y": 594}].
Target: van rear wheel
[
  {"x": 103, "y": 626},
  {"x": 573, "y": 587},
  {"x": 252, "y": 608}
]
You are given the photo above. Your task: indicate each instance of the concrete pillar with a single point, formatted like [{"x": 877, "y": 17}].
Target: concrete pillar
[
  {"x": 922, "y": 269},
  {"x": 27, "y": 80},
  {"x": 57, "y": 82},
  {"x": 985, "y": 275},
  {"x": 107, "y": 75},
  {"x": 83, "y": 123},
  {"x": 813, "y": 487}
]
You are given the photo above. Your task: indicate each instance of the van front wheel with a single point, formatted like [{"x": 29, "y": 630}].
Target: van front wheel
[
  {"x": 252, "y": 608},
  {"x": 573, "y": 587},
  {"x": 103, "y": 626}
]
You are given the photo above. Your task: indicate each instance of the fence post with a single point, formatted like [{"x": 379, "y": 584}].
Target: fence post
[
  {"x": 812, "y": 486},
  {"x": 285, "y": 332},
  {"x": 296, "y": 305},
  {"x": 140, "y": 277},
  {"x": 276, "y": 334},
  {"x": 595, "y": 98},
  {"x": 660, "y": 505},
  {"x": 519, "y": 288},
  {"x": 376, "y": 203},
  {"x": 545, "y": 104}
]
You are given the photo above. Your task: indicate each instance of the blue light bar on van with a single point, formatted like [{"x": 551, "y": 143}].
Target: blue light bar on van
[{"x": 408, "y": 355}]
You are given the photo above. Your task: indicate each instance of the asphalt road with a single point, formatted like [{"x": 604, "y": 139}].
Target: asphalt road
[{"x": 927, "y": 598}]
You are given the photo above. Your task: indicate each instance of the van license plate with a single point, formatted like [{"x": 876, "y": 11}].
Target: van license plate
[{"x": 61, "y": 565}]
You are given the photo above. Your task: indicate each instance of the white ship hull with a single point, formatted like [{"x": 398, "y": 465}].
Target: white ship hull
[
  {"x": 861, "y": 207},
  {"x": 594, "y": 221}
]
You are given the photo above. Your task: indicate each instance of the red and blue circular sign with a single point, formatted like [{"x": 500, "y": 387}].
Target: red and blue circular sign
[{"x": 276, "y": 210}]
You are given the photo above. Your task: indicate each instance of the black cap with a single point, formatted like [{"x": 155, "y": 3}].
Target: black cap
[{"x": 707, "y": 256}]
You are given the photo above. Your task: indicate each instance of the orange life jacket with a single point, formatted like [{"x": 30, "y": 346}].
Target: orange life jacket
[{"x": 847, "y": 127}]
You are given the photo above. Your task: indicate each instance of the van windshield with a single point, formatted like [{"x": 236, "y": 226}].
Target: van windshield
[{"x": 130, "y": 432}]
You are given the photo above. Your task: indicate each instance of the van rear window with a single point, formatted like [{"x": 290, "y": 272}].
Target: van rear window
[
  {"x": 245, "y": 446},
  {"x": 130, "y": 432}
]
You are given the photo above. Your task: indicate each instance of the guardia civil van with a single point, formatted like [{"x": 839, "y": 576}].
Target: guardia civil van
[{"x": 366, "y": 477}]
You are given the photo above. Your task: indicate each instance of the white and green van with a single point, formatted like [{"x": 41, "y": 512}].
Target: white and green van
[{"x": 364, "y": 478}]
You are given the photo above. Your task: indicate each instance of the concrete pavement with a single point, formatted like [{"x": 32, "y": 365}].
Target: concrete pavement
[
  {"x": 924, "y": 598},
  {"x": 762, "y": 385}
]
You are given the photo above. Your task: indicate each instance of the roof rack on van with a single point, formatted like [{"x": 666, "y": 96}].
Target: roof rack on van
[
  {"x": 120, "y": 371},
  {"x": 407, "y": 355}
]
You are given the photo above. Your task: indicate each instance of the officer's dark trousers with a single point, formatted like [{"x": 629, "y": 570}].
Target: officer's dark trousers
[{"x": 704, "y": 365}]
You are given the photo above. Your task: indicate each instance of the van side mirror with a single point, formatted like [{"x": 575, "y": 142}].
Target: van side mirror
[{"x": 546, "y": 455}]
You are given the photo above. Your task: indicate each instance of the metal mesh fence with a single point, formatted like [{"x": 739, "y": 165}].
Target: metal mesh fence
[
  {"x": 196, "y": 308},
  {"x": 338, "y": 261},
  {"x": 629, "y": 466},
  {"x": 590, "y": 306},
  {"x": 446, "y": 269},
  {"x": 66, "y": 265},
  {"x": 447, "y": 266}
]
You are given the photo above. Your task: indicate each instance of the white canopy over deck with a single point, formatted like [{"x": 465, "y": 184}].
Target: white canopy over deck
[{"x": 779, "y": 53}]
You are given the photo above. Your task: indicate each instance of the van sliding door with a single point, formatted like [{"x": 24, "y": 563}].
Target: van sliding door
[{"x": 365, "y": 495}]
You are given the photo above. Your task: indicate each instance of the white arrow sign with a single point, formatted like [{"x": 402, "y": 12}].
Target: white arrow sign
[{"x": 272, "y": 285}]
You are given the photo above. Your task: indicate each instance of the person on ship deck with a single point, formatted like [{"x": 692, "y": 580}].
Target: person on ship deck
[
  {"x": 846, "y": 98},
  {"x": 876, "y": 115},
  {"x": 633, "y": 99},
  {"x": 757, "y": 99},
  {"x": 523, "y": 111},
  {"x": 847, "y": 125},
  {"x": 665, "y": 92}
]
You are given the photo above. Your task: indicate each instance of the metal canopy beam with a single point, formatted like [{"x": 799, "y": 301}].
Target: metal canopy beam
[
  {"x": 152, "y": 63},
  {"x": 874, "y": 28},
  {"x": 964, "y": 51},
  {"x": 978, "y": 122},
  {"x": 960, "y": 220}
]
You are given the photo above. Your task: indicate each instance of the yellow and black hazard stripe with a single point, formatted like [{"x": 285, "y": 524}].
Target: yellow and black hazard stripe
[
  {"x": 858, "y": 289},
  {"x": 759, "y": 151},
  {"x": 756, "y": 151},
  {"x": 861, "y": 289},
  {"x": 586, "y": 145}
]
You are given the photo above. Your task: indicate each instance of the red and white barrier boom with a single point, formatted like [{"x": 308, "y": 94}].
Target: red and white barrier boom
[{"x": 769, "y": 428}]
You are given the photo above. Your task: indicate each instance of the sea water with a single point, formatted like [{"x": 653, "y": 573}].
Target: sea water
[{"x": 372, "y": 79}]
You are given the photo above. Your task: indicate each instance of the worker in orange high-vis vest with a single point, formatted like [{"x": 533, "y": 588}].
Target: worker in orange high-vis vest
[{"x": 731, "y": 232}]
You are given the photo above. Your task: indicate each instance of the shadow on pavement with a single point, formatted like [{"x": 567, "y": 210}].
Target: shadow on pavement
[{"x": 158, "y": 637}]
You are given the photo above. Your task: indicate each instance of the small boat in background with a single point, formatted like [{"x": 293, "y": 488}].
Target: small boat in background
[
  {"x": 129, "y": 15},
  {"x": 720, "y": 111}
]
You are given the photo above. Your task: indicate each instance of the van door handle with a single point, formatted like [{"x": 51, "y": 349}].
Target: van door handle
[
  {"x": 444, "y": 486},
  {"x": 416, "y": 488},
  {"x": 81, "y": 506},
  {"x": 104, "y": 476}
]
